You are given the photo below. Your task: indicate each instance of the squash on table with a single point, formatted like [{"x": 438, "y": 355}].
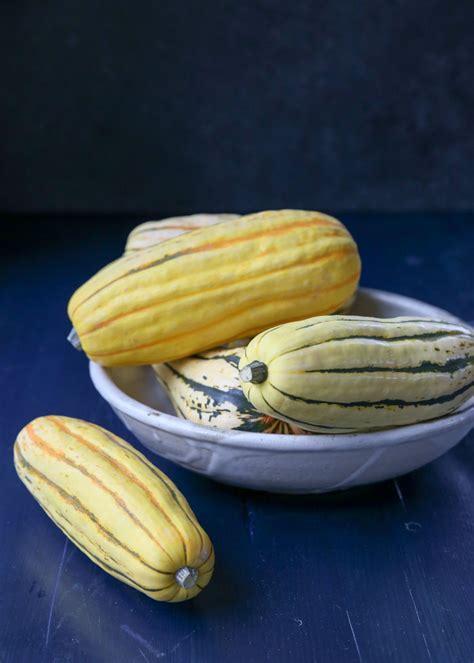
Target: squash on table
[{"x": 119, "y": 509}]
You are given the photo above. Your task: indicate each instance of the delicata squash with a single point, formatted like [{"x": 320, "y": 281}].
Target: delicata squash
[
  {"x": 152, "y": 233},
  {"x": 213, "y": 285},
  {"x": 119, "y": 509},
  {"x": 343, "y": 374},
  {"x": 205, "y": 389}
]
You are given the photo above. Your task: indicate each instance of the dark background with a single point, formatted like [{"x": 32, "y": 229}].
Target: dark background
[{"x": 171, "y": 107}]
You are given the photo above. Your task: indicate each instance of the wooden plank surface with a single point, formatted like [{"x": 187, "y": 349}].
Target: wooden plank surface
[{"x": 381, "y": 573}]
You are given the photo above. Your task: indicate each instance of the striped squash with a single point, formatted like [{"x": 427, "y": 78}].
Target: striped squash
[
  {"x": 152, "y": 233},
  {"x": 205, "y": 389},
  {"x": 211, "y": 286},
  {"x": 119, "y": 509},
  {"x": 341, "y": 374}
]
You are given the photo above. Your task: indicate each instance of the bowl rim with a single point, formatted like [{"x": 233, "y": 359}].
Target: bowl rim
[{"x": 169, "y": 423}]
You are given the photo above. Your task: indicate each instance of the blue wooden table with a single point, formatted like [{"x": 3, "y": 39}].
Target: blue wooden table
[{"x": 382, "y": 573}]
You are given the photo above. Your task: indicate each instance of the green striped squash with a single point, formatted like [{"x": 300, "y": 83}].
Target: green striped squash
[
  {"x": 205, "y": 389},
  {"x": 342, "y": 374}
]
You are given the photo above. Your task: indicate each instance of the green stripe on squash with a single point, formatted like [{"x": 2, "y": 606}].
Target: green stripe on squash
[
  {"x": 205, "y": 389},
  {"x": 385, "y": 373}
]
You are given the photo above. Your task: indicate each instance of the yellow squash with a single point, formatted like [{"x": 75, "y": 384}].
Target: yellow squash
[
  {"x": 119, "y": 509},
  {"x": 342, "y": 374},
  {"x": 211, "y": 286},
  {"x": 154, "y": 232},
  {"x": 205, "y": 389}
]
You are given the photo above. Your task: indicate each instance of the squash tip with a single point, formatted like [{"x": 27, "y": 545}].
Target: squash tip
[
  {"x": 186, "y": 577},
  {"x": 74, "y": 340},
  {"x": 255, "y": 372}
]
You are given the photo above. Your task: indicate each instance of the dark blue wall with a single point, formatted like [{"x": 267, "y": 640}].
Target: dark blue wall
[{"x": 169, "y": 106}]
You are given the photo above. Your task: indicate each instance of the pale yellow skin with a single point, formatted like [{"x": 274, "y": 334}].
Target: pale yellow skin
[
  {"x": 205, "y": 389},
  {"x": 306, "y": 361},
  {"x": 211, "y": 286},
  {"x": 152, "y": 233},
  {"x": 119, "y": 509}
]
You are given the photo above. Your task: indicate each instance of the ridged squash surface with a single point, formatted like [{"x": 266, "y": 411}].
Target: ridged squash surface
[
  {"x": 342, "y": 374},
  {"x": 211, "y": 286},
  {"x": 152, "y": 233},
  {"x": 205, "y": 389},
  {"x": 119, "y": 509}
]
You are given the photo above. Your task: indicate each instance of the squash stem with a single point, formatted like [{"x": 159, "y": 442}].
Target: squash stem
[
  {"x": 186, "y": 577},
  {"x": 255, "y": 372},
  {"x": 73, "y": 339}
]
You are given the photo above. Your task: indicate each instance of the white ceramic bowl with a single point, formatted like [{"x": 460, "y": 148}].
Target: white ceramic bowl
[{"x": 283, "y": 463}]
